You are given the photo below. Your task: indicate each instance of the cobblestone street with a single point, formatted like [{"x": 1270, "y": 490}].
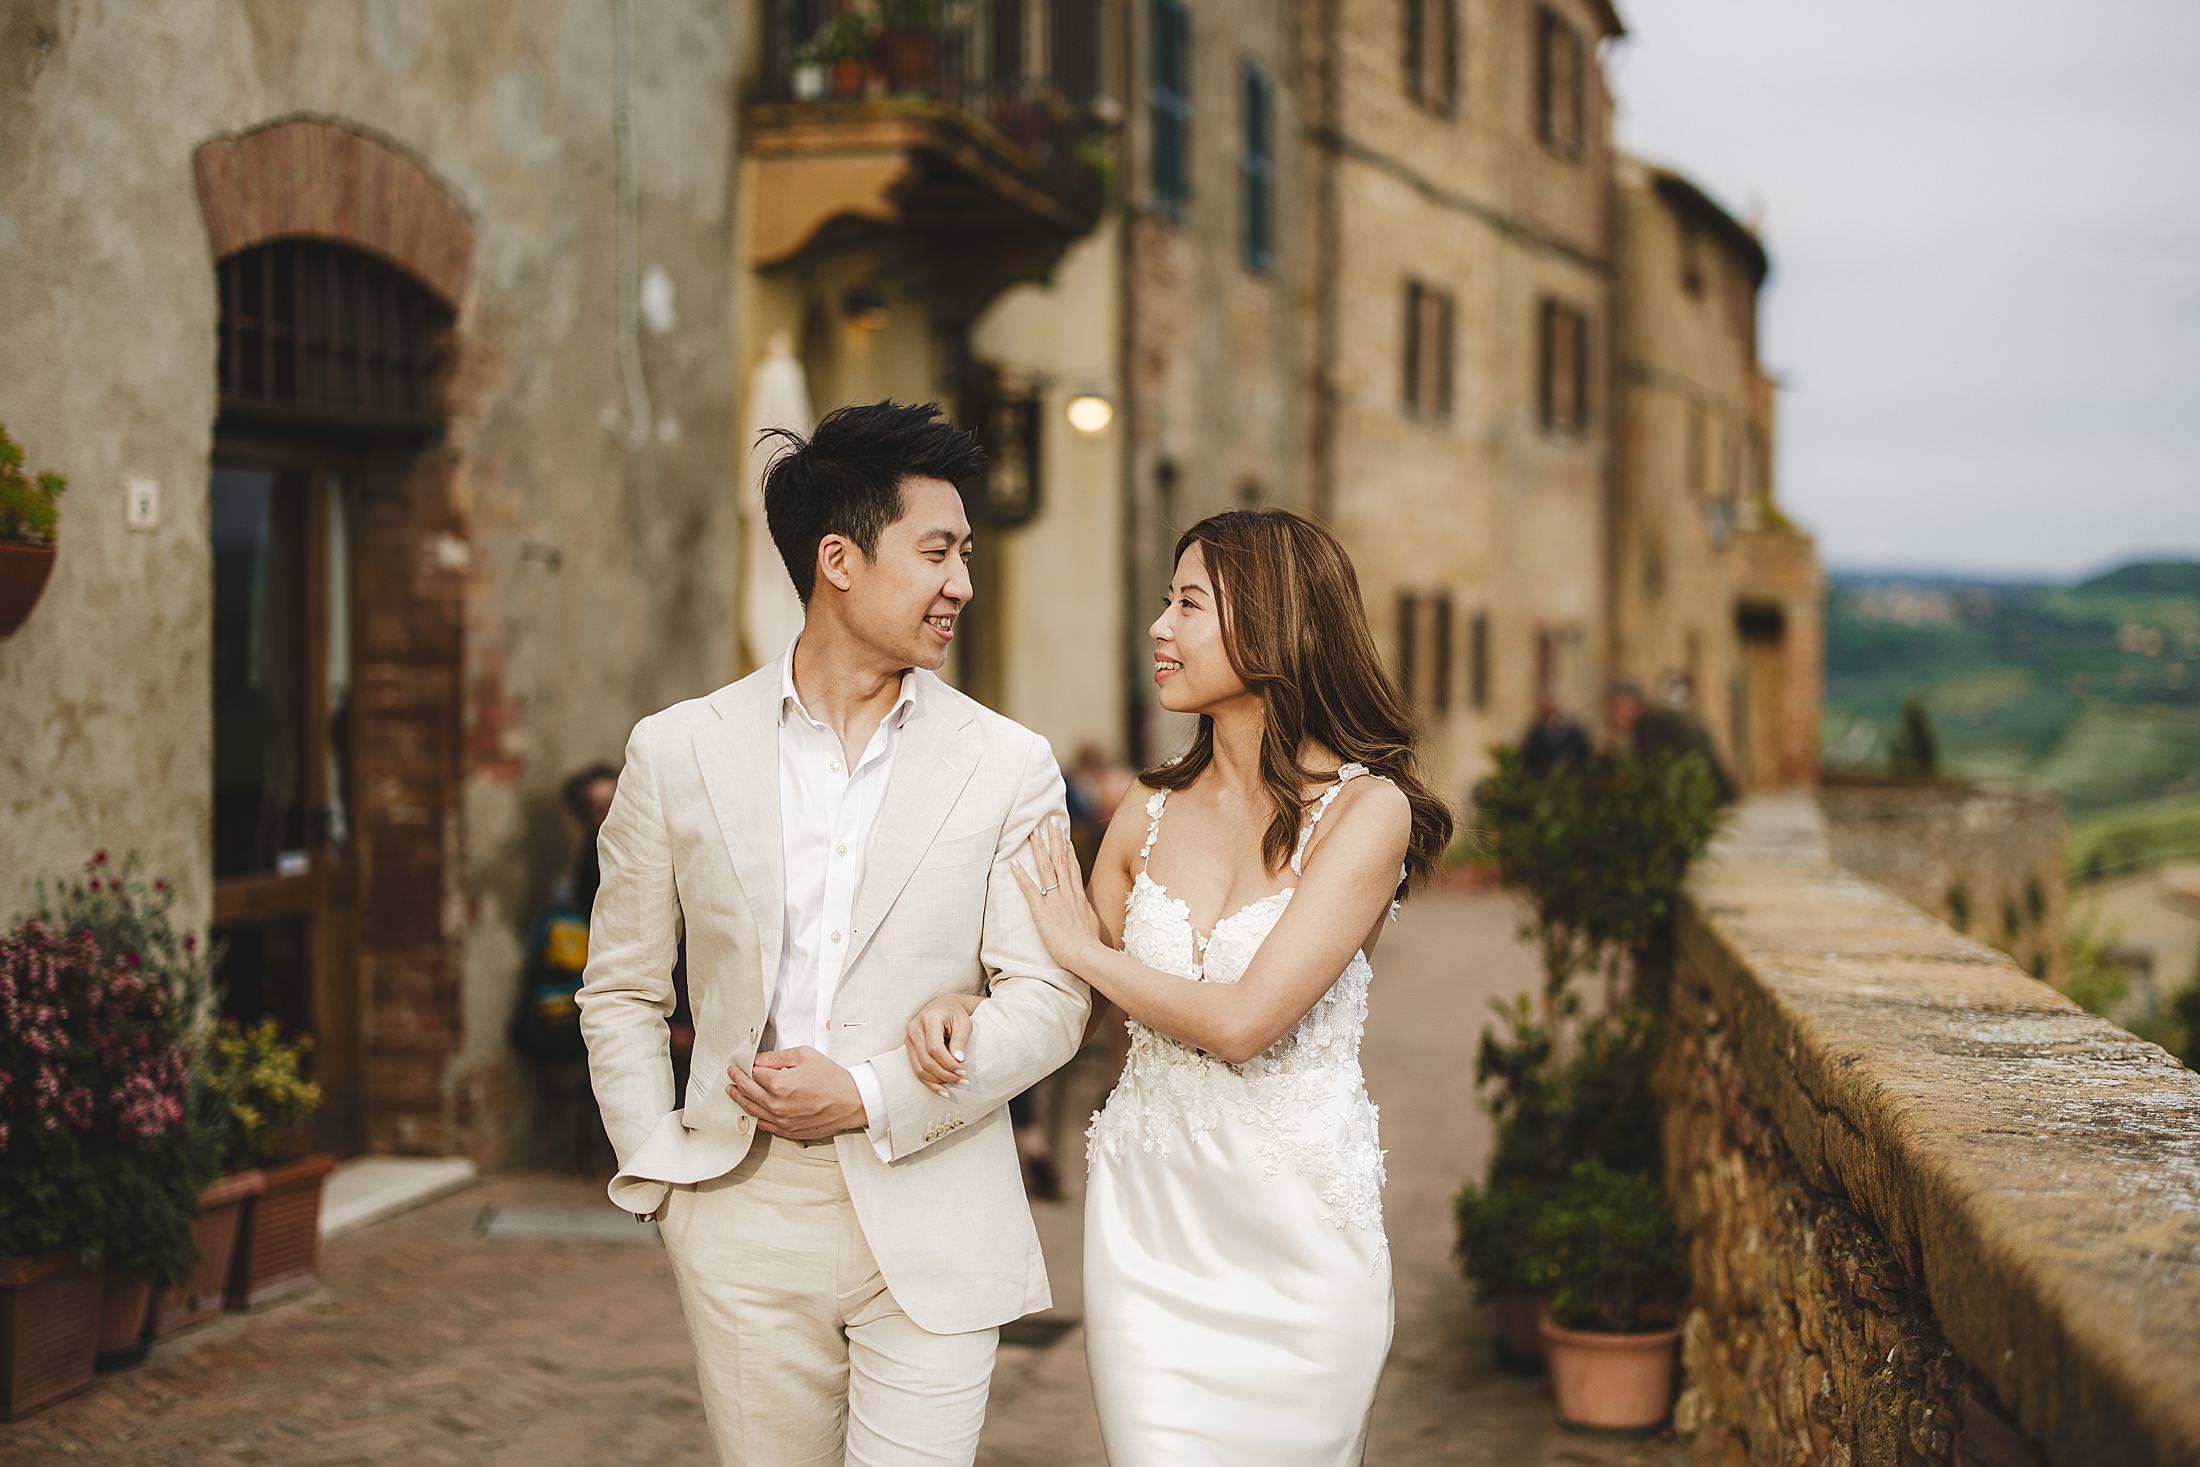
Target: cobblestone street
[{"x": 431, "y": 1343}]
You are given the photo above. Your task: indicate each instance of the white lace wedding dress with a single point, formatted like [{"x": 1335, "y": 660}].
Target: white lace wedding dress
[{"x": 1237, "y": 1281}]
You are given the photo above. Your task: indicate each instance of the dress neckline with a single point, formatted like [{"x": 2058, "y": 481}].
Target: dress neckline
[{"x": 1200, "y": 944}]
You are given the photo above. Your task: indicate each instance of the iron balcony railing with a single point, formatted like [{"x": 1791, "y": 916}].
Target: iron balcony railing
[{"x": 1030, "y": 69}]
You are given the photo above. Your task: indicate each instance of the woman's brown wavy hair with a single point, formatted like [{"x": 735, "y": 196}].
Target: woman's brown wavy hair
[{"x": 1296, "y": 634}]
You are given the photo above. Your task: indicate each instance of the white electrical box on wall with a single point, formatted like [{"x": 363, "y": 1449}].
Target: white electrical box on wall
[{"x": 144, "y": 509}]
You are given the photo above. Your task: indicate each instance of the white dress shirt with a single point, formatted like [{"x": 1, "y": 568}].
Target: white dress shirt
[{"x": 826, "y": 813}]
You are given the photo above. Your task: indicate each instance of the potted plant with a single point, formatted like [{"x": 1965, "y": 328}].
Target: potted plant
[
  {"x": 96, "y": 1165},
  {"x": 806, "y": 73},
  {"x": 845, "y": 44},
  {"x": 909, "y": 41},
  {"x": 261, "y": 1101},
  {"x": 27, "y": 519},
  {"x": 1493, "y": 1226},
  {"x": 1603, "y": 1245},
  {"x": 126, "y": 914}
]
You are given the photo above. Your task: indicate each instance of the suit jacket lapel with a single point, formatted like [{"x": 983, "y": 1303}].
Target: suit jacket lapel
[
  {"x": 739, "y": 758},
  {"x": 933, "y": 760}
]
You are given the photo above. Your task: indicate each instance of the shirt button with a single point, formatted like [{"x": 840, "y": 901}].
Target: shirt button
[
  {"x": 836, "y": 937},
  {"x": 834, "y": 766},
  {"x": 841, "y": 849}
]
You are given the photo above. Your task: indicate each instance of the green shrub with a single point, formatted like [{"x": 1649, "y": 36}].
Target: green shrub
[
  {"x": 28, "y": 504},
  {"x": 1602, "y": 1245}
]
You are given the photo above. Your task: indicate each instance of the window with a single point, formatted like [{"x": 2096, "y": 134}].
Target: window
[
  {"x": 1559, "y": 63},
  {"x": 1691, "y": 237},
  {"x": 1256, "y": 165},
  {"x": 1170, "y": 45},
  {"x": 1564, "y": 341},
  {"x": 1432, "y": 54},
  {"x": 1478, "y": 660},
  {"x": 1073, "y": 44},
  {"x": 1443, "y": 653},
  {"x": 1430, "y": 314},
  {"x": 1409, "y": 617},
  {"x": 1699, "y": 449}
]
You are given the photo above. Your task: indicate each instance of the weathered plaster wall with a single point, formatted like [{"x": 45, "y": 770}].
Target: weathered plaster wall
[
  {"x": 598, "y": 564},
  {"x": 1935, "y": 1212}
]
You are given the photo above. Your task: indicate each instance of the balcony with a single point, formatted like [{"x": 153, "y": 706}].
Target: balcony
[{"x": 970, "y": 133}]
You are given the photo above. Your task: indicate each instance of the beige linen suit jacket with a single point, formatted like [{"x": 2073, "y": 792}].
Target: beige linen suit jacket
[{"x": 693, "y": 841}]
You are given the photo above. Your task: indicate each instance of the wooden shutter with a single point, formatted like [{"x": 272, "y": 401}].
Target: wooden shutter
[
  {"x": 1409, "y": 617},
  {"x": 1412, "y": 365},
  {"x": 1443, "y": 652}
]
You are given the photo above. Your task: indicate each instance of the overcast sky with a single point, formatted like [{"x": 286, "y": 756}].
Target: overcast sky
[{"x": 1984, "y": 221}]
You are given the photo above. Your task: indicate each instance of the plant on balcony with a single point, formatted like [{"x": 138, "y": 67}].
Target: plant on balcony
[
  {"x": 1602, "y": 1247},
  {"x": 845, "y": 46},
  {"x": 29, "y": 514},
  {"x": 909, "y": 43}
]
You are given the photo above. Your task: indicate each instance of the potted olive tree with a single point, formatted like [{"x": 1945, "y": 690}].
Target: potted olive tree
[
  {"x": 1602, "y": 1244},
  {"x": 261, "y": 1100},
  {"x": 28, "y": 512}
]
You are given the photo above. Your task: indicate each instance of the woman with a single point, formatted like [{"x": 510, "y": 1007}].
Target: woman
[{"x": 1237, "y": 1282}]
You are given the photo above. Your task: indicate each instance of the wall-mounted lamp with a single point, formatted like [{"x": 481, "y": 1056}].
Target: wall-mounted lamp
[
  {"x": 866, "y": 307},
  {"x": 1089, "y": 412}
]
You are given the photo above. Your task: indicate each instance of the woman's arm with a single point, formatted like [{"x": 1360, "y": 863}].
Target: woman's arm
[
  {"x": 937, "y": 1035},
  {"x": 1338, "y": 902}
]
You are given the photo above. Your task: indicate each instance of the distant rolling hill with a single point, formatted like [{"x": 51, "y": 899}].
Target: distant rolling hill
[{"x": 2091, "y": 689}]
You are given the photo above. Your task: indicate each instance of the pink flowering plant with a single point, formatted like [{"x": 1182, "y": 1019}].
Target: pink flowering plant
[{"x": 98, "y": 1155}]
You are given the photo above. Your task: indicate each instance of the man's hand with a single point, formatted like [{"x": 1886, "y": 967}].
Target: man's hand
[{"x": 798, "y": 1094}]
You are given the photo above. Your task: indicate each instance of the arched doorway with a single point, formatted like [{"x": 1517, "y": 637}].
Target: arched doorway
[{"x": 331, "y": 368}]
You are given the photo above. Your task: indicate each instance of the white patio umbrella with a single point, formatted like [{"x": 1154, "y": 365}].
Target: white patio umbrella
[{"x": 778, "y": 398}]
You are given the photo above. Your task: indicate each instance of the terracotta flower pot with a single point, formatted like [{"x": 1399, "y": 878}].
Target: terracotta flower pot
[
  {"x": 279, "y": 1243},
  {"x": 848, "y": 76},
  {"x": 1519, "y": 1335},
  {"x": 1617, "y": 1382},
  {"x": 124, "y": 1305},
  {"x": 23, "y": 572},
  {"x": 49, "y": 1331},
  {"x": 912, "y": 59},
  {"x": 221, "y": 1216}
]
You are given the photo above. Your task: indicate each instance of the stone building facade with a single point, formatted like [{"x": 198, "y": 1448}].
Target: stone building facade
[
  {"x": 349, "y": 300},
  {"x": 1712, "y": 588}
]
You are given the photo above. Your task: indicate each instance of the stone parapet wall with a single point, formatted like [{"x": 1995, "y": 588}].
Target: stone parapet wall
[
  {"x": 1988, "y": 862},
  {"x": 1935, "y": 1212}
]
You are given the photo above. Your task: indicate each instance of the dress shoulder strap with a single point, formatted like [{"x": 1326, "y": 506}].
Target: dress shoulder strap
[
  {"x": 1345, "y": 775},
  {"x": 1155, "y": 804}
]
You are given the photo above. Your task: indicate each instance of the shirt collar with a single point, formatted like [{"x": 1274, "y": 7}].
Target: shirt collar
[{"x": 789, "y": 699}]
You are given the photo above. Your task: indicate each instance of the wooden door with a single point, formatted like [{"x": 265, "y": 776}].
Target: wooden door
[{"x": 285, "y": 863}]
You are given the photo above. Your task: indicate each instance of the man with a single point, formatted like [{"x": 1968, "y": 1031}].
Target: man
[
  {"x": 1667, "y": 732},
  {"x": 1553, "y": 740},
  {"x": 833, "y": 834}
]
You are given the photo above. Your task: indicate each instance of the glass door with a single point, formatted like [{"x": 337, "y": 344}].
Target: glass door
[{"x": 284, "y": 870}]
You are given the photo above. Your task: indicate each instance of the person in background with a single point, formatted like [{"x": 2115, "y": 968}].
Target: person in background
[
  {"x": 1669, "y": 730},
  {"x": 1554, "y": 739},
  {"x": 546, "y": 1024},
  {"x": 1094, "y": 785}
]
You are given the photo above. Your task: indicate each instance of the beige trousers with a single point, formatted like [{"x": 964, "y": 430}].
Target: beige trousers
[{"x": 803, "y": 1355}]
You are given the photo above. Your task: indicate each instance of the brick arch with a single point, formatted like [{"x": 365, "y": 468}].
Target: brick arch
[{"x": 332, "y": 180}]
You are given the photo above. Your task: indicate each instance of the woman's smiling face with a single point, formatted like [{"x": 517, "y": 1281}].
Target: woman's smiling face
[{"x": 1191, "y": 668}]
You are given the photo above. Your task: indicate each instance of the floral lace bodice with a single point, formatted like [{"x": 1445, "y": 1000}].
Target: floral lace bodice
[{"x": 1305, "y": 1090}]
